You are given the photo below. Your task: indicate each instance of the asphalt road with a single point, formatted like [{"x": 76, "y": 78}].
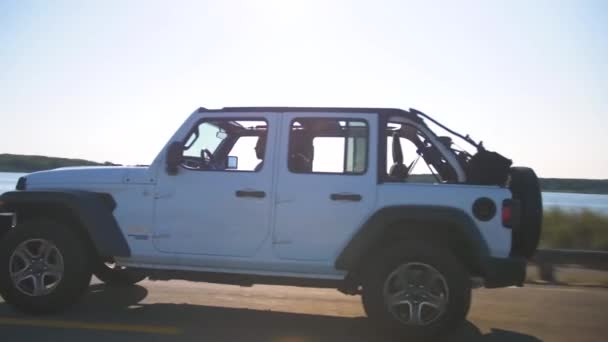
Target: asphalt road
[{"x": 185, "y": 311}]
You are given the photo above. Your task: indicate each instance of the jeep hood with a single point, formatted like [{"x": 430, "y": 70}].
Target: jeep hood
[{"x": 89, "y": 175}]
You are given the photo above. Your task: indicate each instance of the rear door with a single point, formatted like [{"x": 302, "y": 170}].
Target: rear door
[{"x": 326, "y": 182}]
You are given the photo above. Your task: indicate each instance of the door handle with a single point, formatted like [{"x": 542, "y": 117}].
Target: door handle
[
  {"x": 346, "y": 197},
  {"x": 250, "y": 193}
]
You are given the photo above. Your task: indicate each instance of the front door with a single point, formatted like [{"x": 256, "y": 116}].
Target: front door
[
  {"x": 327, "y": 183},
  {"x": 219, "y": 202}
]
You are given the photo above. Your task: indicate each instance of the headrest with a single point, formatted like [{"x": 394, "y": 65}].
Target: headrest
[
  {"x": 260, "y": 147},
  {"x": 397, "y": 152}
]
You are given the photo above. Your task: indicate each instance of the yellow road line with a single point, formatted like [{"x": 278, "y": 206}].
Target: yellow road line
[{"x": 150, "y": 329}]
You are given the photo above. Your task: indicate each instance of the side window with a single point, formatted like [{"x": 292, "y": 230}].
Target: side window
[
  {"x": 322, "y": 145},
  {"x": 226, "y": 145},
  {"x": 208, "y": 137},
  {"x": 246, "y": 151},
  {"x": 412, "y": 157}
]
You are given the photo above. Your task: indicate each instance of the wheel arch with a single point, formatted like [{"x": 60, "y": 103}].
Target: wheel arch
[
  {"x": 450, "y": 227},
  {"x": 89, "y": 212}
]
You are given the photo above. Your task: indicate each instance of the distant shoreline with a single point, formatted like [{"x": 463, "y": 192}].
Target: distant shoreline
[
  {"x": 18, "y": 163},
  {"x": 30, "y": 163}
]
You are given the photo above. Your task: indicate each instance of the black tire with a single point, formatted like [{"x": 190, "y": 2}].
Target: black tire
[
  {"x": 525, "y": 187},
  {"x": 442, "y": 260},
  {"x": 118, "y": 276},
  {"x": 76, "y": 267}
]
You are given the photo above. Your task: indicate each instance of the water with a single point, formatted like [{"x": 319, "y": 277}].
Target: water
[
  {"x": 569, "y": 201},
  {"x": 598, "y": 203},
  {"x": 8, "y": 180}
]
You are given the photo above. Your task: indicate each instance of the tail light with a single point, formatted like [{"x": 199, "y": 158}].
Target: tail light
[{"x": 510, "y": 213}]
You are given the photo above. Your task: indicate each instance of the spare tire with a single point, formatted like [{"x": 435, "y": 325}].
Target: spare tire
[{"x": 525, "y": 187}]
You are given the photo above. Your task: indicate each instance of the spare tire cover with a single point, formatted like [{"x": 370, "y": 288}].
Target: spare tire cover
[{"x": 525, "y": 187}]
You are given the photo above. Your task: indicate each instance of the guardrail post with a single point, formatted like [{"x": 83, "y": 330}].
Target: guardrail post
[{"x": 546, "y": 271}]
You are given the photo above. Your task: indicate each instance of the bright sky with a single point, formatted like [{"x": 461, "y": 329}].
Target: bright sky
[{"x": 112, "y": 80}]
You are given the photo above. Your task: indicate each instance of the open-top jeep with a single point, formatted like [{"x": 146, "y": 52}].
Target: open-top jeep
[{"x": 321, "y": 197}]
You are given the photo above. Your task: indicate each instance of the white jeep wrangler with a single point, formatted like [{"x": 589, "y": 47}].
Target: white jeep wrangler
[{"x": 320, "y": 197}]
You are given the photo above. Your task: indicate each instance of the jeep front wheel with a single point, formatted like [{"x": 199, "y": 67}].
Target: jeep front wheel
[
  {"x": 416, "y": 289},
  {"x": 44, "y": 267}
]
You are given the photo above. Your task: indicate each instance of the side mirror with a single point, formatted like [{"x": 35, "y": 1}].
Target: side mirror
[
  {"x": 232, "y": 163},
  {"x": 174, "y": 157}
]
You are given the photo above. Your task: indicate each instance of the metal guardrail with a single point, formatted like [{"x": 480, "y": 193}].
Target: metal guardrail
[{"x": 547, "y": 259}]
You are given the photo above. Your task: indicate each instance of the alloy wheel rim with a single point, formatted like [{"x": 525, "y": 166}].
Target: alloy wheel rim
[
  {"x": 416, "y": 294},
  {"x": 36, "y": 267}
]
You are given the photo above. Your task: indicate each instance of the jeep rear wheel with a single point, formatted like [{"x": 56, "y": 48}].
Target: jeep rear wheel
[
  {"x": 416, "y": 289},
  {"x": 43, "y": 267}
]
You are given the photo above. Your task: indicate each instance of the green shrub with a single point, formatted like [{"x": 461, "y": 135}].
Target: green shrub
[{"x": 574, "y": 230}]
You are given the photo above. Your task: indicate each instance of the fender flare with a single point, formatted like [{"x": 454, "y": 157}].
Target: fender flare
[
  {"x": 384, "y": 222},
  {"x": 92, "y": 210}
]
